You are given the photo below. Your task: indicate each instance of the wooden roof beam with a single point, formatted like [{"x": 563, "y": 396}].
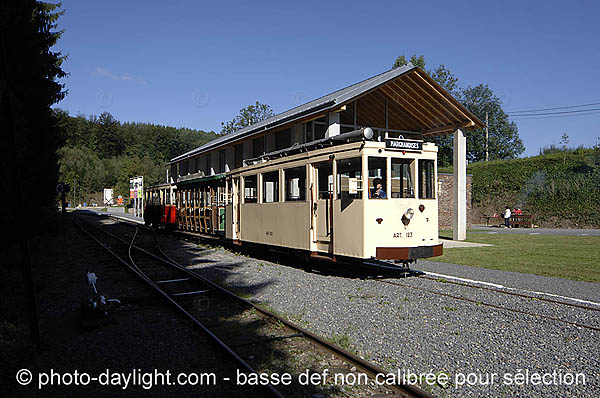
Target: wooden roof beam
[
  {"x": 450, "y": 127},
  {"x": 436, "y": 115},
  {"x": 455, "y": 104},
  {"x": 432, "y": 101},
  {"x": 436, "y": 120},
  {"x": 399, "y": 117},
  {"x": 404, "y": 104}
]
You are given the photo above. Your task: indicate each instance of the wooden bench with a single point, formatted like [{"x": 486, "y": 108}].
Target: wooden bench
[{"x": 522, "y": 220}]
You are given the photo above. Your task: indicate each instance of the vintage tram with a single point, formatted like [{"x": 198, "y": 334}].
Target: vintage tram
[
  {"x": 348, "y": 197},
  {"x": 347, "y": 176}
]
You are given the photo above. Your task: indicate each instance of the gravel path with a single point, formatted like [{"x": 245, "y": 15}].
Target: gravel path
[{"x": 410, "y": 327}]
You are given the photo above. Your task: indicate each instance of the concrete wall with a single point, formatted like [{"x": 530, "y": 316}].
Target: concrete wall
[{"x": 446, "y": 200}]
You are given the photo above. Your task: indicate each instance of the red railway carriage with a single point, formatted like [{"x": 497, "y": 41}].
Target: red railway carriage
[{"x": 160, "y": 209}]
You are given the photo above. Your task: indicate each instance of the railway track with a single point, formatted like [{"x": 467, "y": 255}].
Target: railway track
[{"x": 211, "y": 308}]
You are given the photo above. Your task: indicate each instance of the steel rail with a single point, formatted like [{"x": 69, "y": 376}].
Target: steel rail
[
  {"x": 133, "y": 267},
  {"x": 408, "y": 390}
]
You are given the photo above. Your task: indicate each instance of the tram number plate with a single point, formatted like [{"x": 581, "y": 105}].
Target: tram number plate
[
  {"x": 399, "y": 235},
  {"x": 269, "y": 233}
]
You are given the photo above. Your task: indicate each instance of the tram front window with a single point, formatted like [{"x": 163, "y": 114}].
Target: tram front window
[
  {"x": 426, "y": 179},
  {"x": 402, "y": 181},
  {"x": 377, "y": 178}
]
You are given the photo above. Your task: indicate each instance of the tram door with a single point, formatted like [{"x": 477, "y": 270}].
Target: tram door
[
  {"x": 322, "y": 203},
  {"x": 235, "y": 199}
]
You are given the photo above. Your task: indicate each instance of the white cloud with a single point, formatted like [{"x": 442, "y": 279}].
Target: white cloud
[{"x": 103, "y": 72}]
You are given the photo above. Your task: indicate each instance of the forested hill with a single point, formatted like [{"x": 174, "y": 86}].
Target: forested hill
[{"x": 100, "y": 152}]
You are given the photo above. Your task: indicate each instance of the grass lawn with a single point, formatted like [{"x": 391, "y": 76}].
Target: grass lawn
[{"x": 571, "y": 257}]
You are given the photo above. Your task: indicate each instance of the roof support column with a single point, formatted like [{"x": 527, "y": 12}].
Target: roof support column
[
  {"x": 334, "y": 127},
  {"x": 459, "y": 219}
]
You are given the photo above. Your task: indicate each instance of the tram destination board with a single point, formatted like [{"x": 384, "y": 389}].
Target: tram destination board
[{"x": 404, "y": 145}]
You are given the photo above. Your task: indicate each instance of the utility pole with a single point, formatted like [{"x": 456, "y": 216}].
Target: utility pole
[{"x": 487, "y": 137}]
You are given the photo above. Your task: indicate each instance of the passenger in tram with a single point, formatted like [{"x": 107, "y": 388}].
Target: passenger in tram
[{"x": 378, "y": 192}]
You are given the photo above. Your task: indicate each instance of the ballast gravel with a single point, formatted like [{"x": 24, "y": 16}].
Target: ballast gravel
[{"x": 410, "y": 326}]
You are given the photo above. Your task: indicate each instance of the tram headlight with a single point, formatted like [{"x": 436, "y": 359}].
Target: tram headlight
[{"x": 407, "y": 216}]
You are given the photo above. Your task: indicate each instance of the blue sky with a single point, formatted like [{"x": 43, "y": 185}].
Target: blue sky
[{"x": 195, "y": 64}]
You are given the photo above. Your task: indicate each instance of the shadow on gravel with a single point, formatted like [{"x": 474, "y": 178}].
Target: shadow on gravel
[
  {"x": 267, "y": 345},
  {"x": 325, "y": 268}
]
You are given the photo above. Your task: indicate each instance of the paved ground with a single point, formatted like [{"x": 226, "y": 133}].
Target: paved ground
[
  {"x": 115, "y": 213},
  {"x": 538, "y": 231},
  {"x": 450, "y": 244},
  {"x": 559, "y": 286}
]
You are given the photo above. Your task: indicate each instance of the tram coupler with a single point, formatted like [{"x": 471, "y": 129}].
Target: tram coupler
[{"x": 405, "y": 263}]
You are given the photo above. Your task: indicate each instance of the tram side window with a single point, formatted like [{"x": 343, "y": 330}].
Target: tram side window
[
  {"x": 250, "y": 195},
  {"x": 349, "y": 173},
  {"x": 402, "y": 181},
  {"x": 295, "y": 183},
  {"x": 426, "y": 179},
  {"x": 325, "y": 176},
  {"x": 271, "y": 187},
  {"x": 377, "y": 175}
]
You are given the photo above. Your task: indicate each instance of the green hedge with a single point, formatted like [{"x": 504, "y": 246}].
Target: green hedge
[{"x": 554, "y": 188}]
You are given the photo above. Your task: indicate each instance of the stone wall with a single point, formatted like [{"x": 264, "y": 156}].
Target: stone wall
[{"x": 446, "y": 200}]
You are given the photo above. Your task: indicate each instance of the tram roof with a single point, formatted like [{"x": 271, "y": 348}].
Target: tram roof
[{"x": 429, "y": 106}]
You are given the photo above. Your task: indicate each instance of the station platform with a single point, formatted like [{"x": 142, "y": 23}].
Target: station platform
[{"x": 114, "y": 212}]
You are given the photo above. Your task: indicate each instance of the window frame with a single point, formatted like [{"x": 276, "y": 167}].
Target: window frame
[
  {"x": 285, "y": 185},
  {"x": 245, "y": 196},
  {"x": 424, "y": 176},
  {"x": 411, "y": 167},
  {"x": 338, "y": 177},
  {"x": 384, "y": 177},
  {"x": 264, "y": 188}
]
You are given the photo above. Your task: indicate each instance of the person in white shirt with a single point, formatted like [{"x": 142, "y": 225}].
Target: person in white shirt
[{"x": 507, "y": 215}]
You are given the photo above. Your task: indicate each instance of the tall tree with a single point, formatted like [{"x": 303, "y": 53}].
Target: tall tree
[
  {"x": 504, "y": 141},
  {"x": 247, "y": 117},
  {"x": 109, "y": 140},
  {"x": 29, "y": 71}
]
